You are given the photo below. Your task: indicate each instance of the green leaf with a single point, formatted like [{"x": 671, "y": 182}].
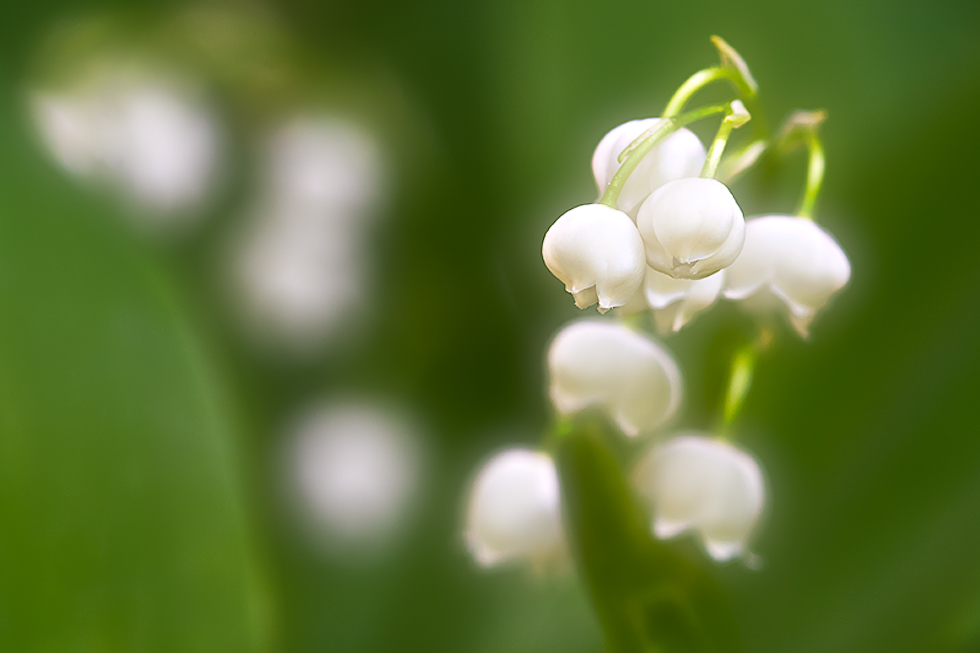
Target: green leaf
[
  {"x": 648, "y": 598},
  {"x": 121, "y": 522}
]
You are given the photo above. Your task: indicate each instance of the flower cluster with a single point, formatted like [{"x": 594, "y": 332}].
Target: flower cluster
[
  {"x": 128, "y": 117},
  {"x": 302, "y": 265},
  {"x": 666, "y": 239},
  {"x": 152, "y": 136},
  {"x": 671, "y": 241},
  {"x": 694, "y": 482}
]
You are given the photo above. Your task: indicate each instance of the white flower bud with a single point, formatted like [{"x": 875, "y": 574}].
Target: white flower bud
[
  {"x": 675, "y": 301},
  {"x": 599, "y": 363},
  {"x": 597, "y": 253},
  {"x": 695, "y": 482},
  {"x": 514, "y": 509},
  {"x": 792, "y": 259},
  {"x": 678, "y": 156},
  {"x": 691, "y": 228}
]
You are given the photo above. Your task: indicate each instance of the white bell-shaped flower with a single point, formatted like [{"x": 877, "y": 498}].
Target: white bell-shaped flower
[
  {"x": 601, "y": 363},
  {"x": 691, "y": 228},
  {"x": 678, "y": 156},
  {"x": 695, "y": 482},
  {"x": 792, "y": 259},
  {"x": 597, "y": 253},
  {"x": 675, "y": 301},
  {"x": 514, "y": 510}
]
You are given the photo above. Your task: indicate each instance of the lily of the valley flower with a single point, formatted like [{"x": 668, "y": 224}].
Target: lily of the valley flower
[
  {"x": 357, "y": 470},
  {"x": 680, "y": 155},
  {"x": 596, "y": 363},
  {"x": 514, "y": 510},
  {"x": 691, "y": 228},
  {"x": 597, "y": 253},
  {"x": 792, "y": 259},
  {"x": 696, "y": 482},
  {"x": 675, "y": 301},
  {"x": 149, "y": 136}
]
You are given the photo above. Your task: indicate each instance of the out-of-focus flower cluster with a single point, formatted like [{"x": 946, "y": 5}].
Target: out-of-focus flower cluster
[
  {"x": 148, "y": 133},
  {"x": 302, "y": 266},
  {"x": 168, "y": 119},
  {"x": 158, "y": 132}
]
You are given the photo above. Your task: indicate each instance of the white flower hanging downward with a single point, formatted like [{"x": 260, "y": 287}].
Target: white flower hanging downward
[
  {"x": 792, "y": 259},
  {"x": 596, "y": 363},
  {"x": 678, "y": 156},
  {"x": 597, "y": 253},
  {"x": 675, "y": 301},
  {"x": 695, "y": 482},
  {"x": 514, "y": 510},
  {"x": 692, "y": 228}
]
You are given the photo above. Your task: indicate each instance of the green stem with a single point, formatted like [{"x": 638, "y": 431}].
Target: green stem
[
  {"x": 556, "y": 432},
  {"x": 699, "y": 80},
  {"x": 735, "y": 117},
  {"x": 702, "y": 78},
  {"x": 814, "y": 176},
  {"x": 717, "y": 149},
  {"x": 801, "y": 127},
  {"x": 646, "y": 142},
  {"x": 740, "y": 378}
]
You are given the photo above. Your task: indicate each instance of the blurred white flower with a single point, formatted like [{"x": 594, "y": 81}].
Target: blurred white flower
[
  {"x": 695, "y": 482},
  {"x": 69, "y": 127},
  {"x": 691, "y": 228},
  {"x": 302, "y": 280},
  {"x": 514, "y": 510},
  {"x": 601, "y": 363},
  {"x": 146, "y": 135},
  {"x": 166, "y": 148},
  {"x": 675, "y": 301},
  {"x": 792, "y": 259},
  {"x": 356, "y": 468},
  {"x": 327, "y": 164},
  {"x": 678, "y": 156},
  {"x": 303, "y": 268},
  {"x": 597, "y": 253}
]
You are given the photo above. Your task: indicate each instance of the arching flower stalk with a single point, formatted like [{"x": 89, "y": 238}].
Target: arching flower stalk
[{"x": 665, "y": 239}]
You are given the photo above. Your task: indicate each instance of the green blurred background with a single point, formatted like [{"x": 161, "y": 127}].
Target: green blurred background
[{"x": 139, "y": 434}]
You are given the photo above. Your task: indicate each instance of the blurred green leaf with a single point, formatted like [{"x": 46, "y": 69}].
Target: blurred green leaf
[{"x": 121, "y": 520}]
